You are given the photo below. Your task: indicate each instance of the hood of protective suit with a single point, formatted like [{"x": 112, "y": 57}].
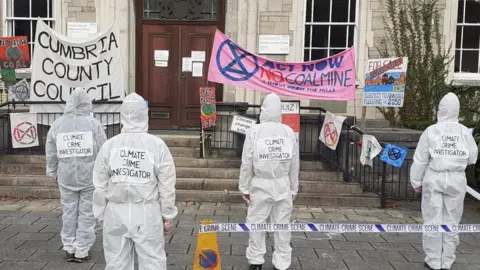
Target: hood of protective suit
[
  {"x": 449, "y": 108},
  {"x": 78, "y": 103},
  {"x": 134, "y": 114},
  {"x": 271, "y": 110}
]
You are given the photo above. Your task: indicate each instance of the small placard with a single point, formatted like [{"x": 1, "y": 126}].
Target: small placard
[{"x": 242, "y": 124}]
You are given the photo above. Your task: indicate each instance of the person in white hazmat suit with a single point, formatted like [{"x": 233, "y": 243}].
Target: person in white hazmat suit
[
  {"x": 73, "y": 142},
  {"x": 269, "y": 181},
  {"x": 134, "y": 196},
  {"x": 443, "y": 152}
]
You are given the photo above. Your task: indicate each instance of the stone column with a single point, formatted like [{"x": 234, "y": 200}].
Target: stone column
[{"x": 121, "y": 11}]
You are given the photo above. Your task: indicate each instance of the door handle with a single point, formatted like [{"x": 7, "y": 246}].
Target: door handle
[{"x": 183, "y": 76}]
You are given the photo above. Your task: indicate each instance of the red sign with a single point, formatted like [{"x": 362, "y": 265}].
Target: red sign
[
  {"x": 208, "y": 107},
  {"x": 291, "y": 115},
  {"x": 14, "y": 53}
]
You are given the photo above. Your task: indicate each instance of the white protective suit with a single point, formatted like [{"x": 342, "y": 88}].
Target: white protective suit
[
  {"x": 443, "y": 152},
  {"x": 269, "y": 175},
  {"x": 134, "y": 179},
  {"x": 73, "y": 142}
]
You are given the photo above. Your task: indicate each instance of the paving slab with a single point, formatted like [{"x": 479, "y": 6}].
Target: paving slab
[{"x": 30, "y": 239}]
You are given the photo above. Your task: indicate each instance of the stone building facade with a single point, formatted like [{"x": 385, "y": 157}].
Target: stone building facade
[{"x": 315, "y": 28}]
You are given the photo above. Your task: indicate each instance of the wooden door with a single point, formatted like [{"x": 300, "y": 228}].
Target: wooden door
[
  {"x": 172, "y": 93},
  {"x": 193, "y": 38},
  {"x": 179, "y": 27},
  {"x": 160, "y": 83}
]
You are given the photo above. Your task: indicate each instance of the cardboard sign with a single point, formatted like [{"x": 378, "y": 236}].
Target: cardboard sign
[
  {"x": 75, "y": 144},
  {"x": 242, "y": 124},
  {"x": 291, "y": 115},
  {"x": 385, "y": 82},
  {"x": 14, "y": 52},
  {"x": 208, "y": 107},
  {"x": 24, "y": 130}
]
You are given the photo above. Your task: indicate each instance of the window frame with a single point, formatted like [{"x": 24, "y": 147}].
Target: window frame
[
  {"x": 330, "y": 23},
  {"x": 461, "y": 75},
  {"x": 7, "y": 20}
]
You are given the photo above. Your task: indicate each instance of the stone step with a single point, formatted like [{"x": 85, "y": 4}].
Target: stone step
[
  {"x": 234, "y": 173},
  {"x": 179, "y": 162},
  {"x": 311, "y": 187},
  {"x": 181, "y": 140},
  {"x": 339, "y": 200},
  {"x": 182, "y": 172}
]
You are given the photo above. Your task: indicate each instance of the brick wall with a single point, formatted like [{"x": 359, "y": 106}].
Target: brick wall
[{"x": 80, "y": 10}]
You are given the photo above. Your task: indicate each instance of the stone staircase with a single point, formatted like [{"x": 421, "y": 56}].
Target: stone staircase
[{"x": 201, "y": 180}]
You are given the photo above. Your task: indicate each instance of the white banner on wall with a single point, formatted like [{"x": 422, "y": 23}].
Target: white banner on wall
[
  {"x": 24, "y": 130},
  {"x": 60, "y": 64}
]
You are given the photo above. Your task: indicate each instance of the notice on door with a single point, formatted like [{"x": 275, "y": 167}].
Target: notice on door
[
  {"x": 197, "y": 69},
  {"x": 161, "y": 55},
  {"x": 75, "y": 144},
  {"x": 161, "y": 63},
  {"x": 198, "y": 56},
  {"x": 186, "y": 64}
]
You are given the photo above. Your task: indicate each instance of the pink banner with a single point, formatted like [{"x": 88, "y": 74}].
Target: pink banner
[{"x": 330, "y": 78}]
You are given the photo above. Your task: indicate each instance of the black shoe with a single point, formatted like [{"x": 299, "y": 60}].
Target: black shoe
[
  {"x": 70, "y": 257},
  {"x": 255, "y": 267},
  {"x": 84, "y": 259}
]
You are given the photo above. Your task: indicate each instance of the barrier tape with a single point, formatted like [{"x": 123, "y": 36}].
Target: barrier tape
[{"x": 338, "y": 228}]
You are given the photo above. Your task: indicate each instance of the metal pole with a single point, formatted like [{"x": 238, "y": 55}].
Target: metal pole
[{"x": 384, "y": 180}]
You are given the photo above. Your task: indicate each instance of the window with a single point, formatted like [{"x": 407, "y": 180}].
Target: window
[
  {"x": 329, "y": 27},
  {"x": 22, "y": 15},
  {"x": 180, "y": 10},
  {"x": 467, "y": 45}
]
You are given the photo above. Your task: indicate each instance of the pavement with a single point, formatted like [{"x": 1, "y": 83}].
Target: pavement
[{"x": 29, "y": 238}]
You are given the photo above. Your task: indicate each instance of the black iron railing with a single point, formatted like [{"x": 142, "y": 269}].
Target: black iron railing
[
  {"x": 388, "y": 182},
  {"x": 110, "y": 121}
]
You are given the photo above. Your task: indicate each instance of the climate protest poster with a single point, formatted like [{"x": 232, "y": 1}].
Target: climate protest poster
[
  {"x": 61, "y": 64},
  {"x": 208, "y": 107},
  {"x": 385, "y": 82},
  {"x": 330, "y": 78},
  {"x": 14, "y": 52}
]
